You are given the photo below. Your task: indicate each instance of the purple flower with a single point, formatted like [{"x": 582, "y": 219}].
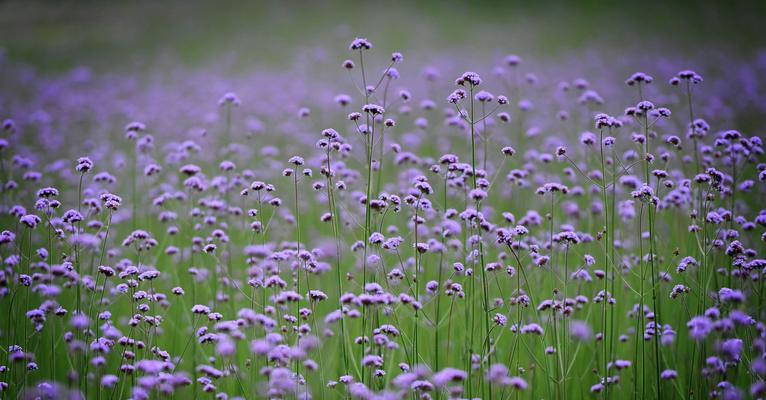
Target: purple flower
[
  {"x": 84, "y": 165},
  {"x": 30, "y": 220},
  {"x": 580, "y": 331},
  {"x": 518, "y": 383},
  {"x": 732, "y": 348},
  {"x": 470, "y": 78},
  {"x": 360, "y": 44},
  {"x": 727, "y": 295},
  {"x": 699, "y": 327},
  {"x": 109, "y": 381},
  {"x": 229, "y": 99},
  {"x": 448, "y": 376}
]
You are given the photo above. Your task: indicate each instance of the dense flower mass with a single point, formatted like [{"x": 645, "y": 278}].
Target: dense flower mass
[{"x": 524, "y": 234}]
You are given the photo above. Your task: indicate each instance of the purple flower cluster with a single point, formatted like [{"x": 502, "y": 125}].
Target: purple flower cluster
[{"x": 388, "y": 244}]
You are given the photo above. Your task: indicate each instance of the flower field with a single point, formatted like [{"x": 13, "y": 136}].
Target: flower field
[{"x": 348, "y": 223}]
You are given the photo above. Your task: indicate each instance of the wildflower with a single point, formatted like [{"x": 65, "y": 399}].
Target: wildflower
[
  {"x": 30, "y": 220},
  {"x": 484, "y": 96},
  {"x": 532, "y": 329},
  {"x": 518, "y": 383},
  {"x": 84, "y": 165},
  {"x": 580, "y": 331},
  {"x": 200, "y": 309},
  {"x": 456, "y": 96},
  {"x": 229, "y": 99},
  {"x": 72, "y": 216},
  {"x": 699, "y": 327},
  {"x": 449, "y": 376},
  {"x": 668, "y": 374},
  {"x": 373, "y": 109},
  {"x": 727, "y": 295},
  {"x": 360, "y": 44},
  {"x": 470, "y": 78},
  {"x": 732, "y": 348},
  {"x": 638, "y": 78},
  {"x": 109, "y": 381},
  {"x": 686, "y": 75},
  {"x": 678, "y": 290}
]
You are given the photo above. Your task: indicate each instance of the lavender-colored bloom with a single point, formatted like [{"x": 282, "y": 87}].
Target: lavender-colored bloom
[
  {"x": 360, "y": 44},
  {"x": 699, "y": 327},
  {"x": 109, "y": 381},
  {"x": 580, "y": 331},
  {"x": 668, "y": 374},
  {"x": 732, "y": 348},
  {"x": 731, "y": 295},
  {"x": 84, "y": 164},
  {"x": 448, "y": 376},
  {"x": 518, "y": 383},
  {"x": 30, "y": 220}
]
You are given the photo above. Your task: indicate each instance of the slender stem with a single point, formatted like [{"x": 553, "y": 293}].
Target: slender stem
[
  {"x": 486, "y": 349},
  {"x": 336, "y": 233},
  {"x": 652, "y": 255}
]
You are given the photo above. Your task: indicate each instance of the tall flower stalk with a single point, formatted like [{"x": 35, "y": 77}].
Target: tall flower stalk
[
  {"x": 641, "y": 111},
  {"x": 471, "y": 80},
  {"x": 331, "y": 142}
]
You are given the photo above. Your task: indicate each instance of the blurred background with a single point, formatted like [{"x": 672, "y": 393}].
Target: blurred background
[
  {"x": 124, "y": 35},
  {"x": 79, "y": 66}
]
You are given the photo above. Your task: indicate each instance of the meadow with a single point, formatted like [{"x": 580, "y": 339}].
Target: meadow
[{"x": 496, "y": 212}]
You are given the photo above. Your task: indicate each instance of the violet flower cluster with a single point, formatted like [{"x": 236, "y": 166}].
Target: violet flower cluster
[{"x": 518, "y": 234}]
